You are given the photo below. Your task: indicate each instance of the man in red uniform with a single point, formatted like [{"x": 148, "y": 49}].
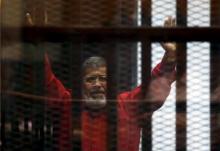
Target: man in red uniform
[{"x": 94, "y": 118}]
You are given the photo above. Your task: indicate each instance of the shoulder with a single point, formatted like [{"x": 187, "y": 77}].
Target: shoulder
[{"x": 130, "y": 96}]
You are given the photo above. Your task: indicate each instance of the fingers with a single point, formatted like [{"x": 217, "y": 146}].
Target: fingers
[
  {"x": 169, "y": 46},
  {"x": 29, "y": 19},
  {"x": 170, "y": 22},
  {"x": 45, "y": 17},
  {"x": 173, "y": 22},
  {"x": 30, "y": 22}
]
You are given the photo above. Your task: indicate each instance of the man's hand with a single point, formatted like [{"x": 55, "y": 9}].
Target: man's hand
[
  {"x": 169, "y": 47},
  {"x": 30, "y": 22}
]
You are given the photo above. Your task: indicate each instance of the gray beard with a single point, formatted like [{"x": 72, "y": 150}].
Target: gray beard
[{"x": 94, "y": 103}]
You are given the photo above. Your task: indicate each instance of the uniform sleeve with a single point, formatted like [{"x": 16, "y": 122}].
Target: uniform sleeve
[
  {"x": 55, "y": 90},
  {"x": 164, "y": 70},
  {"x": 134, "y": 105},
  {"x": 59, "y": 106}
]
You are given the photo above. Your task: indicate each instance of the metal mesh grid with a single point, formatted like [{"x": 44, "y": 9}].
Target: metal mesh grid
[
  {"x": 161, "y": 9},
  {"x": 91, "y": 13},
  {"x": 163, "y": 119},
  {"x": 22, "y": 111},
  {"x": 12, "y": 15},
  {"x": 164, "y": 126},
  {"x": 198, "y": 97},
  {"x": 95, "y": 14},
  {"x": 199, "y": 13},
  {"x": 163, "y": 130},
  {"x": 198, "y": 135}
]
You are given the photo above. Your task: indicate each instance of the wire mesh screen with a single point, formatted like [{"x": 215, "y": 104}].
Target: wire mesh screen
[
  {"x": 38, "y": 115},
  {"x": 32, "y": 123},
  {"x": 164, "y": 123},
  {"x": 91, "y": 13},
  {"x": 198, "y": 107},
  {"x": 163, "y": 130}
]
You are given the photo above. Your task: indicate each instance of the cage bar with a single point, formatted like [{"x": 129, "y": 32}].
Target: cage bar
[
  {"x": 146, "y": 78},
  {"x": 145, "y": 35},
  {"x": 38, "y": 90},
  {"x": 112, "y": 100},
  {"x": 76, "y": 86},
  {"x": 215, "y": 80},
  {"x": 181, "y": 111},
  {"x": 38, "y": 77},
  {"x": 146, "y": 74},
  {"x": 59, "y": 34},
  {"x": 3, "y": 113}
]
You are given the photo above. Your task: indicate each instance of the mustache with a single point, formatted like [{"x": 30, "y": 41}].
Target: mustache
[{"x": 97, "y": 91}]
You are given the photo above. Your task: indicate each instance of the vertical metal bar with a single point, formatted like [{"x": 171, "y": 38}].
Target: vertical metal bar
[
  {"x": 146, "y": 12},
  {"x": 181, "y": 100},
  {"x": 38, "y": 77},
  {"x": 181, "y": 12},
  {"x": 48, "y": 132},
  {"x": 112, "y": 99},
  {"x": 181, "y": 15},
  {"x": 14, "y": 125},
  {"x": 215, "y": 14},
  {"x": 2, "y": 121},
  {"x": 29, "y": 8},
  {"x": 2, "y": 108},
  {"x": 146, "y": 73},
  {"x": 215, "y": 101},
  {"x": 146, "y": 78},
  {"x": 215, "y": 80},
  {"x": 73, "y": 9},
  {"x": 77, "y": 93},
  {"x": 2, "y": 105},
  {"x": 39, "y": 111},
  {"x": 2, "y": 131}
]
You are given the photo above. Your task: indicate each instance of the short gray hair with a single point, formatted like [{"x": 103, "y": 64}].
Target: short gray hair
[{"x": 93, "y": 63}]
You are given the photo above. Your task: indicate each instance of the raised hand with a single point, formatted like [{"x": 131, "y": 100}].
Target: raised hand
[
  {"x": 30, "y": 21},
  {"x": 170, "y": 47}
]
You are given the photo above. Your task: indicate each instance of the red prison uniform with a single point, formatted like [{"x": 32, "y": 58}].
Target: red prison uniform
[{"x": 94, "y": 128}]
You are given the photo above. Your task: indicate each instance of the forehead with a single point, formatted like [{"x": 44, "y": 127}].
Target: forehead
[{"x": 95, "y": 71}]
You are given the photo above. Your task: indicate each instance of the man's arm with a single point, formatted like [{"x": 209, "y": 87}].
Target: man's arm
[
  {"x": 55, "y": 90},
  {"x": 167, "y": 66},
  {"x": 58, "y": 99},
  {"x": 163, "y": 75}
]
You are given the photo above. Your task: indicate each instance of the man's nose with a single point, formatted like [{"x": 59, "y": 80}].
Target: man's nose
[{"x": 97, "y": 82}]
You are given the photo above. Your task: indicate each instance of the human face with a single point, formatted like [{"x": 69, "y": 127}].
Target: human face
[{"x": 94, "y": 87}]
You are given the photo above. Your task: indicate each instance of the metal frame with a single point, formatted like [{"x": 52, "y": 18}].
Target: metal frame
[
  {"x": 181, "y": 15},
  {"x": 146, "y": 35},
  {"x": 153, "y": 34},
  {"x": 215, "y": 80}
]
